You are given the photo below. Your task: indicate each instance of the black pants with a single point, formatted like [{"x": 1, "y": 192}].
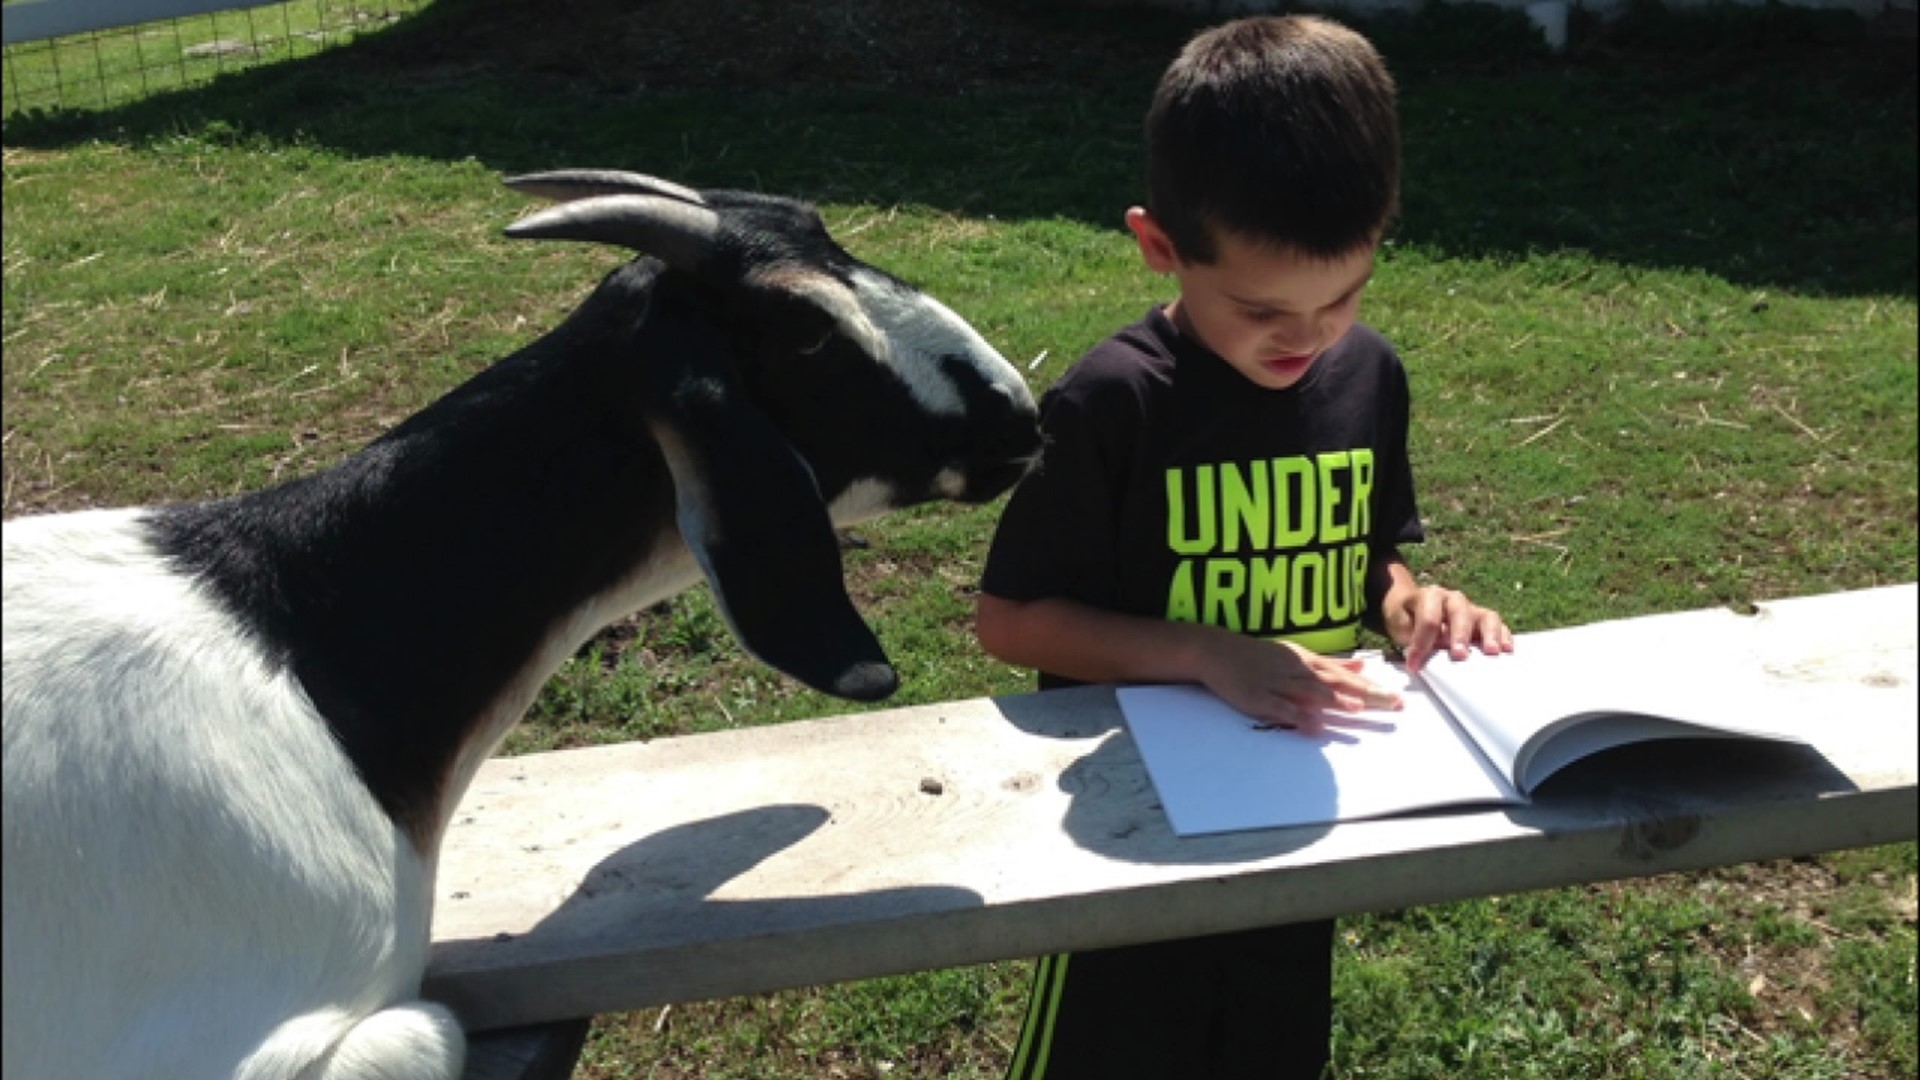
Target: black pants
[{"x": 1256, "y": 1005}]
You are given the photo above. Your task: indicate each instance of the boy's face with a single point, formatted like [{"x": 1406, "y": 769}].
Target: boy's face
[{"x": 1269, "y": 312}]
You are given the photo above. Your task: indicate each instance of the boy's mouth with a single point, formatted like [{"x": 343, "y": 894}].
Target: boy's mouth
[{"x": 1290, "y": 366}]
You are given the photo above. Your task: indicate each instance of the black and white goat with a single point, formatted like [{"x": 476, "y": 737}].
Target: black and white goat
[{"x": 235, "y": 730}]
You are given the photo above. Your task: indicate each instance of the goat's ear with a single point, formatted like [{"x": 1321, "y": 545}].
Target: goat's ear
[{"x": 750, "y": 511}]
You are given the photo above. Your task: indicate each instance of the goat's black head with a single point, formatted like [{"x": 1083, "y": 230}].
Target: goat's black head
[{"x": 793, "y": 387}]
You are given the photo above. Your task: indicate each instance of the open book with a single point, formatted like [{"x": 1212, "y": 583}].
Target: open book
[{"x": 1489, "y": 730}]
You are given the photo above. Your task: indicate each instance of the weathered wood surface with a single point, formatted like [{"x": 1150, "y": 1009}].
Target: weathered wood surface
[{"x": 621, "y": 877}]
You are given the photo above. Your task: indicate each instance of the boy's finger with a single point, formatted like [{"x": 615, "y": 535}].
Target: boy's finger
[
  {"x": 1429, "y": 622},
  {"x": 1500, "y": 636},
  {"x": 1420, "y": 645},
  {"x": 1353, "y": 692},
  {"x": 1467, "y": 622},
  {"x": 1378, "y": 697},
  {"x": 1285, "y": 715},
  {"x": 1460, "y": 635}
]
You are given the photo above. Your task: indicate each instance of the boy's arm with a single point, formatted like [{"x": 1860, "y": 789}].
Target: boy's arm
[
  {"x": 1422, "y": 619},
  {"x": 1278, "y": 683}
]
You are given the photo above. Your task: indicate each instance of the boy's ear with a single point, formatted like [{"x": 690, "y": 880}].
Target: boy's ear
[{"x": 1156, "y": 247}]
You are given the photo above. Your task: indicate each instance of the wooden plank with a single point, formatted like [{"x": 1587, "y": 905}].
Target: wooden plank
[{"x": 621, "y": 877}]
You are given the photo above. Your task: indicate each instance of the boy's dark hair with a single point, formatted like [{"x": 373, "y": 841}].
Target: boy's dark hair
[{"x": 1280, "y": 129}]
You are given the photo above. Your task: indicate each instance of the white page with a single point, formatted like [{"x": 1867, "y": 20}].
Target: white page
[
  {"x": 1216, "y": 772},
  {"x": 1687, "y": 674}
]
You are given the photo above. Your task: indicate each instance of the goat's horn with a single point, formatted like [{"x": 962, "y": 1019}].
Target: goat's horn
[
  {"x": 679, "y": 233},
  {"x": 565, "y": 185}
]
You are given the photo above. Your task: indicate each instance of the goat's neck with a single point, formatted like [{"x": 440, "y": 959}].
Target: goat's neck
[{"x": 425, "y": 588}]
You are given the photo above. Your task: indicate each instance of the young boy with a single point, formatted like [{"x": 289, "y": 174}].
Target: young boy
[{"x": 1220, "y": 501}]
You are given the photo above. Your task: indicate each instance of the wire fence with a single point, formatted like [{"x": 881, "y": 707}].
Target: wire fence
[{"x": 98, "y": 69}]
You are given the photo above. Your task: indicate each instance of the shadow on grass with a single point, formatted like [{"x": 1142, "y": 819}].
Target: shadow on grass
[{"x": 1772, "y": 147}]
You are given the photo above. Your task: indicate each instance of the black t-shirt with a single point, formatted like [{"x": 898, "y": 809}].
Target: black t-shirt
[{"x": 1173, "y": 487}]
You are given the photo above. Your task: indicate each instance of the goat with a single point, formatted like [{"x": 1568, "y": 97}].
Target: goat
[{"x": 236, "y": 730}]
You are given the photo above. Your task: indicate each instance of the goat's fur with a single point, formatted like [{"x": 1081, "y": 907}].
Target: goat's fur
[{"x": 235, "y": 731}]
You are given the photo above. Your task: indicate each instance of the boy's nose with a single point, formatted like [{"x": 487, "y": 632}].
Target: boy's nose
[{"x": 1296, "y": 345}]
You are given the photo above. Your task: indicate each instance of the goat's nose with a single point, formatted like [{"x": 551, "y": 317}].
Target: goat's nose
[
  {"x": 1000, "y": 463},
  {"x": 987, "y": 482},
  {"x": 1017, "y": 437}
]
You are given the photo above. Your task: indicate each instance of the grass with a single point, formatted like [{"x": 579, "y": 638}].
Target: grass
[
  {"x": 113, "y": 66},
  {"x": 1657, "y": 298},
  {"x": 1628, "y": 980}
]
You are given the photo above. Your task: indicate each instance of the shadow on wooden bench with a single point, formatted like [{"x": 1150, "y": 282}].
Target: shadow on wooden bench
[
  {"x": 539, "y": 1052},
  {"x": 614, "y": 878}
]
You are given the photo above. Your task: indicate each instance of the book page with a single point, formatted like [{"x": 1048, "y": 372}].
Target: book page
[
  {"x": 1216, "y": 771},
  {"x": 1564, "y": 694}
]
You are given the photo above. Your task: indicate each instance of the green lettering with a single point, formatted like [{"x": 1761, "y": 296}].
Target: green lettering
[
  {"x": 1267, "y": 594},
  {"x": 1177, "y": 537},
  {"x": 1306, "y": 600},
  {"x": 1342, "y": 601},
  {"x": 1181, "y": 606},
  {"x": 1357, "y": 555},
  {"x": 1243, "y": 506},
  {"x": 1362, "y": 469},
  {"x": 1331, "y": 465},
  {"x": 1293, "y": 510},
  {"x": 1226, "y": 580}
]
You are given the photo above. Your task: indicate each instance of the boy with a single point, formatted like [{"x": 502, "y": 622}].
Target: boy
[{"x": 1220, "y": 501}]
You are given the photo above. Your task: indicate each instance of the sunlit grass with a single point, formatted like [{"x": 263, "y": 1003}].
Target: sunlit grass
[
  {"x": 112, "y": 66},
  {"x": 1661, "y": 329}
]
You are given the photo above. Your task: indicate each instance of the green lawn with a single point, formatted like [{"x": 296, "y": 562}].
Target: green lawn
[
  {"x": 1657, "y": 298},
  {"x": 116, "y": 65}
]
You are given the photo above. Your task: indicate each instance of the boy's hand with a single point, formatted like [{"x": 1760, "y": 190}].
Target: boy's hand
[
  {"x": 1285, "y": 685},
  {"x": 1425, "y": 619}
]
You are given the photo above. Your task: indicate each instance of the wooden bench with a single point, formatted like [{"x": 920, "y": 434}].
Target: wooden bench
[{"x": 622, "y": 877}]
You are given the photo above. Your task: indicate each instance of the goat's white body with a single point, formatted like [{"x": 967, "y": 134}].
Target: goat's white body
[
  {"x": 188, "y": 777},
  {"x": 191, "y": 777},
  {"x": 225, "y": 785}
]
